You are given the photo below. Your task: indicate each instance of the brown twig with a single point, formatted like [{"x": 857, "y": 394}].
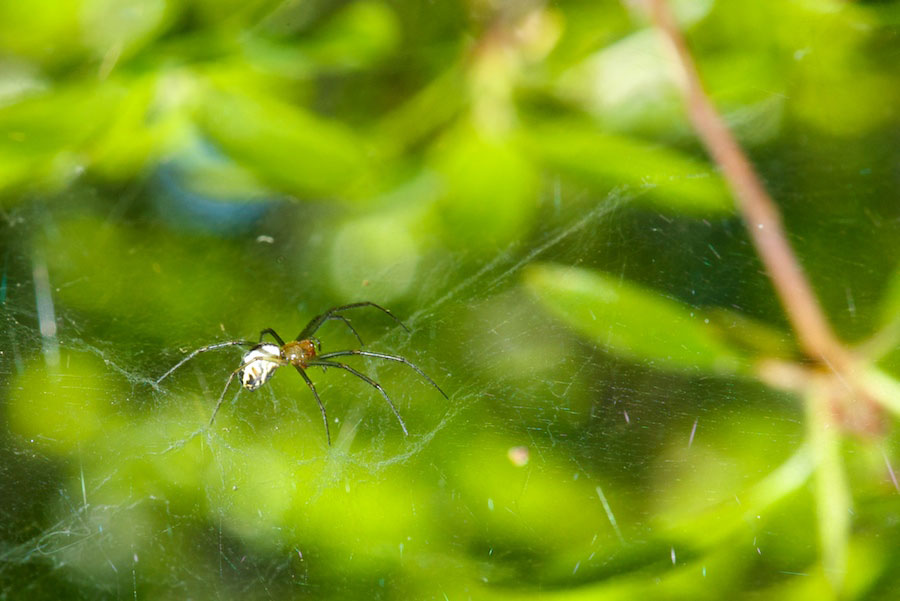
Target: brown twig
[{"x": 759, "y": 211}]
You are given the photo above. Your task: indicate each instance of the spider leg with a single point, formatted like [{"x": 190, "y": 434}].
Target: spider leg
[
  {"x": 222, "y": 396},
  {"x": 349, "y": 325},
  {"x": 389, "y": 358},
  {"x": 369, "y": 381},
  {"x": 228, "y": 383},
  {"x": 272, "y": 333},
  {"x": 210, "y": 347},
  {"x": 317, "y": 342},
  {"x": 318, "y": 400},
  {"x": 316, "y": 322}
]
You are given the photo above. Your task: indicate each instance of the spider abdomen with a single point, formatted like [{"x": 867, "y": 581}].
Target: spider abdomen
[{"x": 259, "y": 365}]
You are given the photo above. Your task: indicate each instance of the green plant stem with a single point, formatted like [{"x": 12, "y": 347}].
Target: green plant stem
[{"x": 759, "y": 211}]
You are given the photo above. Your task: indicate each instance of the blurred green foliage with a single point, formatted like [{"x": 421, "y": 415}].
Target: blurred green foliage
[{"x": 629, "y": 416}]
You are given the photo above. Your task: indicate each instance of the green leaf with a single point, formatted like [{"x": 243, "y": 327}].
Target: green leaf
[
  {"x": 890, "y": 303},
  {"x": 883, "y": 388},
  {"x": 681, "y": 184},
  {"x": 46, "y": 136},
  {"x": 286, "y": 145},
  {"x": 143, "y": 276},
  {"x": 631, "y": 321},
  {"x": 833, "y": 500},
  {"x": 358, "y": 36},
  {"x": 489, "y": 189},
  {"x": 758, "y": 338}
]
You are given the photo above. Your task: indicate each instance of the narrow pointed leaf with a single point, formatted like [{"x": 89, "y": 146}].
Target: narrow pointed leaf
[
  {"x": 680, "y": 184},
  {"x": 631, "y": 321}
]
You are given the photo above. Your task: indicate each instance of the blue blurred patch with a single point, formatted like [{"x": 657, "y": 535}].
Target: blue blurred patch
[{"x": 202, "y": 189}]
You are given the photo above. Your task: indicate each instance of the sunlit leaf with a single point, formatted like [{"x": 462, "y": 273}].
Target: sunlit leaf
[
  {"x": 113, "y": 28},
  {"x": 285, "y": 144},
  {"x": 489, "y": 189},
  {"x": 425, "y": 111},
  {"x": 630, "y": 321},
  {"x": 132, "y": 138},
  {"x": 60, "y": 408},
  {"x": 833, "y": 500},
  {"x": 357, "y": 36},
  {"x": 44, "y": 29},
  {"x": 756, "y": 336},
  {"x": 133, "y": 257},
  {"x": 375, "y": 258},
  {"x": 884, "y": 389},
  {"x": 890, "y": 302},
  {"x": 47, "y": 134},
  {"x": 679, "y": 183}
]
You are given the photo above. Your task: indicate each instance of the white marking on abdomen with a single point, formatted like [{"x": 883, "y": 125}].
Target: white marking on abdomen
[{"x": 259, "y": 365}]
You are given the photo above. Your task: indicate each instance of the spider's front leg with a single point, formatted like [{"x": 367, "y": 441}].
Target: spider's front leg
[
  {"x": 271, "y": 333},
  {"x": 316, "y": 322}
]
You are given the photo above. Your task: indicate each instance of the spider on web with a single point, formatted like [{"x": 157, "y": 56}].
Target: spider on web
[{"x": 260, "y": 362}]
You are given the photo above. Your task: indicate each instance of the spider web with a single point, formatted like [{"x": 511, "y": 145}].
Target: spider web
[
  {"x": 65, "y": 522},
  {"x": 124, "y": 491}
]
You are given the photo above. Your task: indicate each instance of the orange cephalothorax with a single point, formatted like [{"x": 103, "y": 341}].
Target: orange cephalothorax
[{"x": 298, "y": 352}]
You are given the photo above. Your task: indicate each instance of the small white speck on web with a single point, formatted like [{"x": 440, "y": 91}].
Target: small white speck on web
[
  {"x": 491, "y": 504},
  {"x": 110, "y": 58},
  {"x": 45, "y": 311},
  {"x": 134, "y": 574},
  {"x": 627, "y": 419},
  {"x": 609, "y": 514},
  {"x": 890, "y": 469},
  {"x": 575, "y": 569},
  {"x": 262, "y": 238},
  {"x": 851, "y": 304},
  {"x": 673, "y": 555},
  {"x": 83, "y": 487},
  {"x": 693, "y": 431}
]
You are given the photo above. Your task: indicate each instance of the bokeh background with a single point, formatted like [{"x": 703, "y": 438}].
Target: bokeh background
[{"x": 518, "y": 182}]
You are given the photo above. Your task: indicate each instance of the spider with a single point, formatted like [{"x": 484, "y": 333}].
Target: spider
[{"x": 260, "y": 362}]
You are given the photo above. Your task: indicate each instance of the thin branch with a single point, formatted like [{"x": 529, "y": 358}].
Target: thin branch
[{"x": 759, "y": 211}]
